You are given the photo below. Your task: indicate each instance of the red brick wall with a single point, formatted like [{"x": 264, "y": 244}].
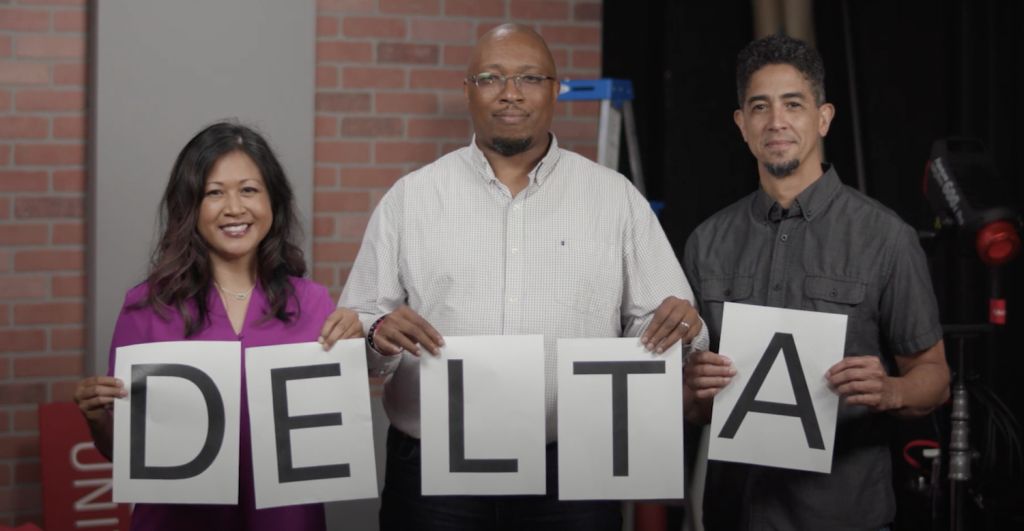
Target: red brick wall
[
  {"x": 389, "y": 98},
  {"x": 42, "y": 231},
  {"x": 388, "y": 101}
]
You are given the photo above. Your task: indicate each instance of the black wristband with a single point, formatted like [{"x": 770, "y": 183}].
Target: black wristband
[{"x": 373, "y": 330}]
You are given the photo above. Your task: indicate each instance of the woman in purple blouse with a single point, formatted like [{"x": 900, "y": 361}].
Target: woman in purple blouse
[{"x": 226, "y": 269}]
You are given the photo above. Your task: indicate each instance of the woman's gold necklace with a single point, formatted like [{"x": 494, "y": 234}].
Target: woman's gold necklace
[{"x": 239, "y": 296}]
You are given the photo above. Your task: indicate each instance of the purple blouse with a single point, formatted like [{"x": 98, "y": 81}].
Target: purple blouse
[{"x": 136, "y": 326}]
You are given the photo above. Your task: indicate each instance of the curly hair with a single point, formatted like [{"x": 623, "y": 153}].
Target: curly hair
[
  {"x": 780, "y": 50},
  {"x": 180, "y": 274}
]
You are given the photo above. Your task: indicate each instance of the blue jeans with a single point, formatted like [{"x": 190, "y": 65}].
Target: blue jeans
[{"x": 403, "y": 506}]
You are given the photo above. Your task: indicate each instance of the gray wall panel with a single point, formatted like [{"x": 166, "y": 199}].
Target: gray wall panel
[{"x": 159, "y": 72}]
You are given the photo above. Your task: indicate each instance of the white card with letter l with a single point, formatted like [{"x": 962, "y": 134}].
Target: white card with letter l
[
  {"x": 309, "y": 410},
  {"x": 778, "y": 410},
  {"x": 620, "y": 420},
  {"x": 482, "y": 416},
  {"x": 176, "y": 434}
]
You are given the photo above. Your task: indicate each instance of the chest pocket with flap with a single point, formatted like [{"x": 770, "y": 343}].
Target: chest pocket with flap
[
  {"x": 714, "y": 292},
  {"x": 727, "y": 289},
  {"x": 837, "y": 295}
]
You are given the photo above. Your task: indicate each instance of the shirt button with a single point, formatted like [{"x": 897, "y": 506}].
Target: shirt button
[
  {"x": 728, "y": 292},
  {"x": 515, "y": 207},
  {"x": 512, "y": 300},
  {"x": 834, "y": 293},
  {"x": 785, "y": 237},
  {"x": 777, "y": 287},
  {"x": 515, "y": 251}
]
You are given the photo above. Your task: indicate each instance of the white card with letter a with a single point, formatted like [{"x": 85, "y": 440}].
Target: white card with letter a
[
  {"x": 482, "y": 416},
  {"x": 778, "y": 411},
  {"x": 620, "y": 420},
  {"x": 309, "y": 410},
  {"x": 176, "y": 434}
]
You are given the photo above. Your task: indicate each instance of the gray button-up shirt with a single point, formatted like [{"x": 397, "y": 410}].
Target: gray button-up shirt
[{"x": 834, "y": 250}]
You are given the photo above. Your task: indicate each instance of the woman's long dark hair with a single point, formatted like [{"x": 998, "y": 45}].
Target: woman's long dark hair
[{"x": 181, "y": 270}]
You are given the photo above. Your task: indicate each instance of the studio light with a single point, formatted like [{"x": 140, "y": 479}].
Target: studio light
[{"x": 964, "y": 189}]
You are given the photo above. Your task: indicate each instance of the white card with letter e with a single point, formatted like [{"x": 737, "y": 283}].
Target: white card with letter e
[
  {"x": 482, "y": 416},
  {"x": 176, "y": 434},
  {"x": 620, "y": 420},
  {"x": 778, "y": 410},
  {"x": 309, "y": 411}
]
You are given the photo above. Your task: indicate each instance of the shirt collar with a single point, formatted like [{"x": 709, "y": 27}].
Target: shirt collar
[
  {"x": 811, "y": 202},
  {"x": 538, "y": 175}
]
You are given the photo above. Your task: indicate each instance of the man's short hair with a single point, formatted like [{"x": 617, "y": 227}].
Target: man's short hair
[{"x": 780, "y": 50}]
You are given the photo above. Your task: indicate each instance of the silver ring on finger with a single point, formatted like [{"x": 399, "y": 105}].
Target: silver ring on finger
[{"x": 685, "y": 324}]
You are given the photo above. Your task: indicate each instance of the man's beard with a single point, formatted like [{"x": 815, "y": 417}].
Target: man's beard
[
  {"x": 511, "y": 146},
  {"x": 782, "y": 169}
]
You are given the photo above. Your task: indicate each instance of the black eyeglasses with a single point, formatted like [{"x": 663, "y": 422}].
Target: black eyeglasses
[{"x": 491, "y": 82}]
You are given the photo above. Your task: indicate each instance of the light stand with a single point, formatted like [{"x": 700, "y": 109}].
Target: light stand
[
  {"x": 960, "y": 454},
  {"x": 968, "y": 196}
]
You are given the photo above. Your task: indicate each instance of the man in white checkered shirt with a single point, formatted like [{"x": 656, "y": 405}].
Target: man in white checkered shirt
[{"x": 511, "y": 235}]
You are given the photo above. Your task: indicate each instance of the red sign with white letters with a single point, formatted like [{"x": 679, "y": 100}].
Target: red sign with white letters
[{"x": 77, "y": 480}]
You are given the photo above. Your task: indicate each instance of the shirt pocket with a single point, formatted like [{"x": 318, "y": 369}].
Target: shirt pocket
[
  {"x": 716, "y": 291},
  {"x": 840, "y": 295},
  {"x": 589, "y": 276}
]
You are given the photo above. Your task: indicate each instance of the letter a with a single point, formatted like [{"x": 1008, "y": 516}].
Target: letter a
[{"x": 804, "y": 408}]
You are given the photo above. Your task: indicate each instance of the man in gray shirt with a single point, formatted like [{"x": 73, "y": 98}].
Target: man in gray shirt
[{"x": 804, "y": 241}]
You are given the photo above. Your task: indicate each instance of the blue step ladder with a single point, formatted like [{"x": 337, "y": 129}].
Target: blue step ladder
[{"x": 616, "y": 97}]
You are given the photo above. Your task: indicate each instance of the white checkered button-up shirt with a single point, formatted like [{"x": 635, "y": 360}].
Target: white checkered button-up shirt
[{"x": 577, "y": 254}]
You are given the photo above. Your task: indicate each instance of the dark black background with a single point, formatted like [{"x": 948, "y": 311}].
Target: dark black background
[{"x": 924, "y": 70}]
